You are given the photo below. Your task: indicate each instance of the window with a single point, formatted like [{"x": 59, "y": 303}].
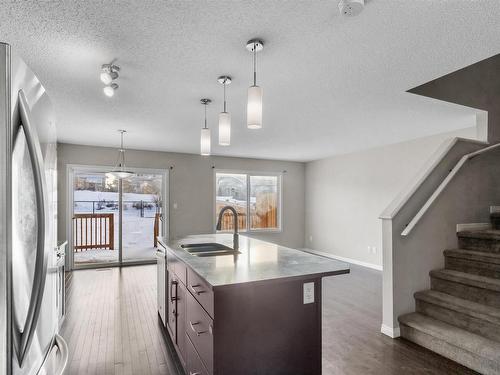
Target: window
[{"x": 255, "y": 197}]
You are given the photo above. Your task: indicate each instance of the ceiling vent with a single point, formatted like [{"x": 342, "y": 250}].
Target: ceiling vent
[{"x": 351, "y": 8}]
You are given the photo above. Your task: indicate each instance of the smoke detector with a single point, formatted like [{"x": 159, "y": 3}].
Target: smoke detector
[{"x": 351, "y": 8}]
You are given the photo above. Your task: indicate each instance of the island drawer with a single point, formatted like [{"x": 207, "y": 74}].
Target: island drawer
[
  {"x": 199, "y": 328},
  {"x": 176, "y": 266},
  {"x": 201, "y": 291},
  {"x": 194, "y": 364}
]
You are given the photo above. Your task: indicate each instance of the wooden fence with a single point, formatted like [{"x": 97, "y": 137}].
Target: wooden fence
[
  {"x": 93, "y": 231},
  {"x": 264, "y": 215}
]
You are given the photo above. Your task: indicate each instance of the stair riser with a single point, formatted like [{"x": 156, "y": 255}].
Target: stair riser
[
  {"x": 479, "y": 244},
  {"x": 472, "y": 266},
  {"x": 472, "y": 293},
  {"x": 441, "y": 347},
  {"x": 464, "y": 321}
]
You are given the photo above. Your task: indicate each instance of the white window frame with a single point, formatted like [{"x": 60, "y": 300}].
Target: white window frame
[{"x": 249, "y": 174}]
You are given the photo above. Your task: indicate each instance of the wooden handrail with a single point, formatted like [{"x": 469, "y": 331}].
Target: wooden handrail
[{"x": 443, "y": 185}]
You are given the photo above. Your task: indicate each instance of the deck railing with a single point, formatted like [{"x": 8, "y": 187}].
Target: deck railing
[{"x": 93, "y": 231}]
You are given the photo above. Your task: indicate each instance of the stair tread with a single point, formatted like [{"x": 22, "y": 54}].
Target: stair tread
[
  {"x": 474, "y": 255},
  {"x": 478, "y": 310},
  {"x": 455, "y": 336},
  {"x": 493, "y": 234},
  {"x": 467, "y": 278}
]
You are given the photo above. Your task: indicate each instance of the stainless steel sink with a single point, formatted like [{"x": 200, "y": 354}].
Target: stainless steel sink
[{"x": 208, "y": 249}]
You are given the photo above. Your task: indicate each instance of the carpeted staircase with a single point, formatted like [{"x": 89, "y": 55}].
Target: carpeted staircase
[{"x": 459, "y": 317}]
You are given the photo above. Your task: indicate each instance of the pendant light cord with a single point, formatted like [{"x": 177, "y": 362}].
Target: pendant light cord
[
  {"x": 224, "y": 84},
  {"x": 122, "y": 152},
  {"x": 205, "y": 116},
  {"x": 255, "y": 64}
]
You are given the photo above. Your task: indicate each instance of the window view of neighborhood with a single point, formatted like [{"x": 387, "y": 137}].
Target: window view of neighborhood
[
  {"x": 96, "y": 217},
  {"x": 256, "y": 197}
]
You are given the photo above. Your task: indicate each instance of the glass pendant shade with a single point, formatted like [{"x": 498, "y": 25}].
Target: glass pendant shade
[
  {"x": 205, "y": 142},
  {"x": 120, "y": 174},
  {"x": 254, "y": 107},
  {"x": 224, "y": 129},
  {"x": 120, "y": 171}
]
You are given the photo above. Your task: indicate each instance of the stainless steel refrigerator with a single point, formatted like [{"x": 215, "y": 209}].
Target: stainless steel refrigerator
[{"x": 29, "y": 343}]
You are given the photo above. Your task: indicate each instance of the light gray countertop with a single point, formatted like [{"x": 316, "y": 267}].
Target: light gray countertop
[{"x": 258, "y": 261}]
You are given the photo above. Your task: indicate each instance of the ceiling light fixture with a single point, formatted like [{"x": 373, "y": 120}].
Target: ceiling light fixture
[
  {"x": 205, "y": 132},
  {"x": 109, "y": 72},
  {"x": 254, "y": 104},
  {"x": 120, "y": 171},
  {"x": 351, "y": 8},
  {"x": 110, "y": 90},
  {"x": 224, "y": 116}
]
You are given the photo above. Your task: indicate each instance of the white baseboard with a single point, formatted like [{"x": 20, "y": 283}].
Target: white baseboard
[
  {"x": 390, "y": 331},
  {"x": 347, "y": 260},
  {"x": 473, "y": 226}
]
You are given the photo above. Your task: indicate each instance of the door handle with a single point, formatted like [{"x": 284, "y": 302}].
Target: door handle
[
  {"x": 192, "y": 325},
  {"x": 194, "y": 373},
  {"x": 60, "y": 349},
  {"x": 193, "y": 288},
  {"x": 63, "y": 348},
  {"x": 23, "y": 338},
  {"x": 174, "y": 282}
]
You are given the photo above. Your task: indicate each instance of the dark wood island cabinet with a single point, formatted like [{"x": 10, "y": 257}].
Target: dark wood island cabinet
[{"x": 258, "y": 312}]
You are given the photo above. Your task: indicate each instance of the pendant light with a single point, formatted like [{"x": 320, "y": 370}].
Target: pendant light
[
  {"x": 120, "y": 171},
  {"x": 224, "y": 116},
  {"x": 205, "y": 132},
  {"x": 254, "y": 104}
]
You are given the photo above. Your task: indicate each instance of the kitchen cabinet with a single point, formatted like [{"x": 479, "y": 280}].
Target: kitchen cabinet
[{"x": 257, "y": 313}]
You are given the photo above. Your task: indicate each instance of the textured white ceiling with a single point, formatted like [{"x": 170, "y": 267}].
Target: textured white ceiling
[{"x": 331, "y": 84}]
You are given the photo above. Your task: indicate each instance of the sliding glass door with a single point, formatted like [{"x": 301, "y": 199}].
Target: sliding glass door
[
  {"x": 116, "y": 221},
  {"x": 141, "y": 216}
]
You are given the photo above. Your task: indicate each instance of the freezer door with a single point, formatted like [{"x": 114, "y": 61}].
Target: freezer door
[{"x": 34, "y": 318}]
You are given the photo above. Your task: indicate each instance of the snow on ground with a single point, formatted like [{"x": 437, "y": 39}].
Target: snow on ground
[{"x": 137, "y": 230}]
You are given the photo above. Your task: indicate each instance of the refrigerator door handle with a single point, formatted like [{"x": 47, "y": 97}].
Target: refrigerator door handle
[
  {"x": 63, "y": 349},
  {"x": 22, "y": 339}
]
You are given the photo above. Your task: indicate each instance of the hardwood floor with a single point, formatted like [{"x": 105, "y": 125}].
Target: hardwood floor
[
  {"x": 352, "y": 342},
  {"x": 112, "y": 328},
  {"x": 111, "y": 324}
]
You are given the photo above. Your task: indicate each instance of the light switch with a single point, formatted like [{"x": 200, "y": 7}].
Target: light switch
[{"x": 308, "y": 293}]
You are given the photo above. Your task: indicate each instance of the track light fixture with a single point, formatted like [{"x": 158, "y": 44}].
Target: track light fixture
[{"x": 109, "y": 72}]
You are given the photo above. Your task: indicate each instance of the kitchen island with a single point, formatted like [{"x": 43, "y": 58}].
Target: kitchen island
[{"x": 254, "y": 311}]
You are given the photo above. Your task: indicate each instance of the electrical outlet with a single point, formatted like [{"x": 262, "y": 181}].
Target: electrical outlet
[
  {"x": 310, "y": 238},
  {"x": 308, "y": 293},
  {"x": 175, "y": 206},
  {"x": 374, "y": 249}
]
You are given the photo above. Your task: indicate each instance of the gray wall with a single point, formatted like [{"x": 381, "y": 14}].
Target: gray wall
[
  {"x": 346, "y": 194},
  {"x": 466, "y": 199},
  {"x": 192, "y": 187}
]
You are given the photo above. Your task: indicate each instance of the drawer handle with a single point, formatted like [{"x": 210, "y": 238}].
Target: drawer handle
[
  {"x": 197, "y": 292},
  {"x": 194, "y": 373},
  {"x": 198, "y": 333}
]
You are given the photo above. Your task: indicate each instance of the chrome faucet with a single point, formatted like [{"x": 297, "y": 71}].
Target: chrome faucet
[{"x": 235, "y": 224}]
